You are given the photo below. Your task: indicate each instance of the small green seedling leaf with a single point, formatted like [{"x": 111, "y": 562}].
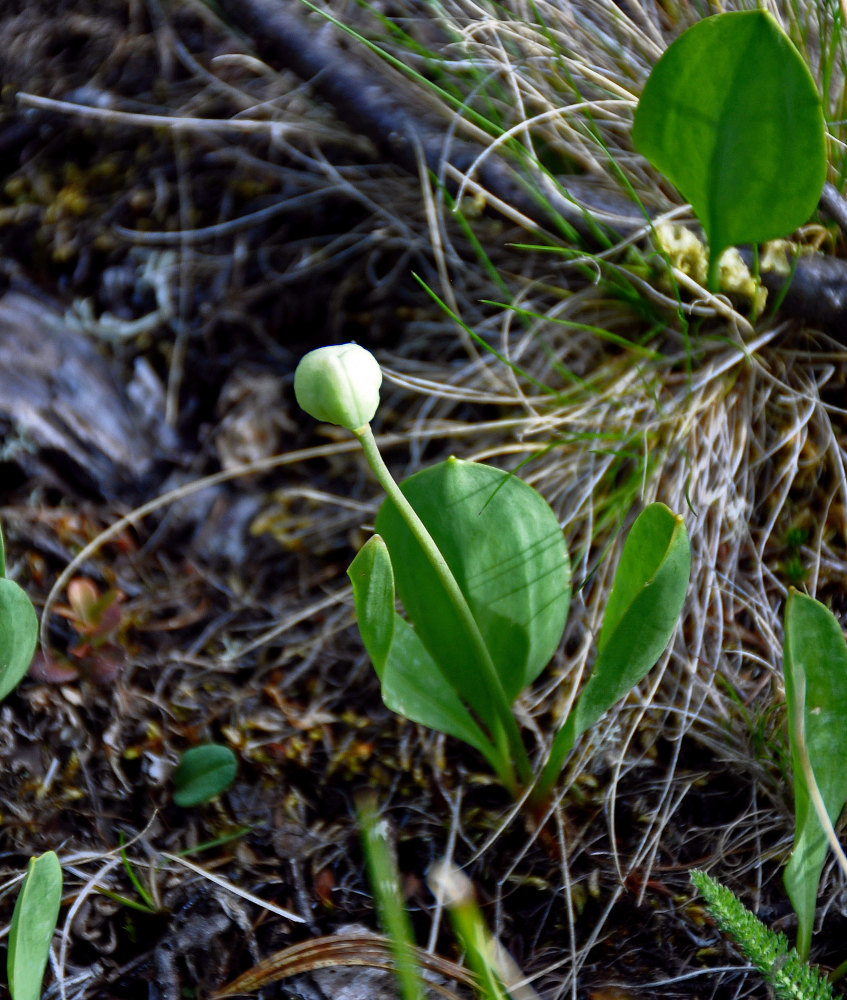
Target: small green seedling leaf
[
  {"x": 643, "y": 608},
  {"x": 203, "y": 773},
  {"x": 18, "y": 630},
  {"x": 732, "y": 117},
  {"x": 33, "y": 922},
  {"x": 507, "y": 552},
  {"x": 815, "y": 662},
  {"x": 412, "y": 685}
]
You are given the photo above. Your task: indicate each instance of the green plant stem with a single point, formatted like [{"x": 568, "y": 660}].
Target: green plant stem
[
  {"x": 504, "y": 729},
  {"x": 562, "y": 745}
]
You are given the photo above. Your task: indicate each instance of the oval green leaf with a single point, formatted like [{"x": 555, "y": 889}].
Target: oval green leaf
[
  {"x": 642, "y": 611},
  {"x": 643, "y": 608},
  {"x": 33, "y": 922},
  {"x": 815, "y": 664},
  {"x": 203, "y": 773},
  {"x": 373, "y": 594},
  {"x": 18, "y": 635},
  {"x": 507, "y": 552},
  {"x": 732, "y": 117}
]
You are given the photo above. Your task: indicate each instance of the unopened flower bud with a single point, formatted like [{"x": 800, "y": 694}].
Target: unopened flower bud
[{"x": 339, "y": 385}]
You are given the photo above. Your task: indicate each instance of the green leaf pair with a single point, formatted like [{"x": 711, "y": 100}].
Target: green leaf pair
[
  {"x": 732, "y": 117},
  {"x": 18, "y": 630},
  {"x": 505, "y": 549}
]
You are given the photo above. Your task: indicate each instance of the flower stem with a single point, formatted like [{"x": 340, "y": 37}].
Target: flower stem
[{"x": 504, "y": 729}]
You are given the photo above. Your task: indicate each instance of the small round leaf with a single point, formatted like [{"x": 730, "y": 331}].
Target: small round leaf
[{"x": 203, "y": 773}]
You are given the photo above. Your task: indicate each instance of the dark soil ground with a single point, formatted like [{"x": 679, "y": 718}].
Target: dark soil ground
[{"x": 159, "y": 285}]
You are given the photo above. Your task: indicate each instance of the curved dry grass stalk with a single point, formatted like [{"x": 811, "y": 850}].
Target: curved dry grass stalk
[{"x": 368, "y": 950}]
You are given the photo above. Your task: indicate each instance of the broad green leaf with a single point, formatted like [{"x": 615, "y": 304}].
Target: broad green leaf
[
  {"x": 732, "y": 117},
  {"x": 815, "y": 662},
  {"x": 642, "y": 611},
  {"x": 507, "y": 552},
  {"x": 33, "y": 922},
  {"x": 203, "y": 773},
  {"x": 412, "y": 685},
  {"x": 18, "y": 635}
]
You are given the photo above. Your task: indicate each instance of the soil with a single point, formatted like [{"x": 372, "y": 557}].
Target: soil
[{"x": 159, "y": 284}]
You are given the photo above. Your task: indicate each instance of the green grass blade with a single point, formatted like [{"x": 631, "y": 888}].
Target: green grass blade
[{"x": 385, "y": 884}]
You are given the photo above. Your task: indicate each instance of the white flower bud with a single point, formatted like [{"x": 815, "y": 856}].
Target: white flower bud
[{"x": 339, "y": 385}]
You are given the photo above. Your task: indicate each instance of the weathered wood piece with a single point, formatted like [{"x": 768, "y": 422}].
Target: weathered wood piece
[{"x": 64, "y": 412}]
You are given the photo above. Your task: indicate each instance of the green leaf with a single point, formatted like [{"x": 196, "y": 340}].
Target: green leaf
[
  {"x": 203, "y": 773},
  {"x": 2, "y": 556},
  {"x": 18, "y": 635},
  {"x": 643, "y": 608},
  {"x": 642, "y": 611},
  {"x": 415, "y": 688},
  {"x": 732, "y": 117},
  {"x": 815, "y": 662},
  {"x": 507, "y": 552},
  {"x": 373, "y": 594},
  {"x": 33, "y": 922},
  {"x": 412, "y": 685}
]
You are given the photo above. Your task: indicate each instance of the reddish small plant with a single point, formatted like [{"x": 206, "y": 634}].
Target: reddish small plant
[{"x": 98, "y": 654}]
